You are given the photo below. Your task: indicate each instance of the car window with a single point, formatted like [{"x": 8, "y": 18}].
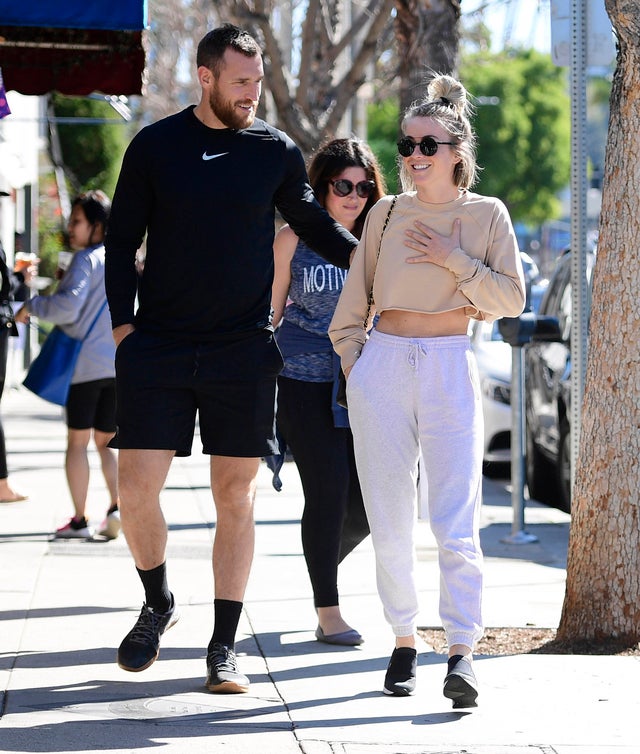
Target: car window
[
  {"x": 551, "y": 300},
  {"x": 558, "y": 301}
]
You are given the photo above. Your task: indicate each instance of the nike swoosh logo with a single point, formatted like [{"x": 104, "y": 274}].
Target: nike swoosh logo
[{"x": 206, "y": 156}]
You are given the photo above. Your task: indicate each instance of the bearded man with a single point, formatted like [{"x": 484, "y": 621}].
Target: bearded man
[{"x": 203, "y": 186}]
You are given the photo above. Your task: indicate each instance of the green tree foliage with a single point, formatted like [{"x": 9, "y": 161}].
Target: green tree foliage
[
  {"x": 382, "y": 135},
  {"x": 91, "y": 152},
  {"x": 524, "y": 138},
  {"x": 51, "y": 233}
]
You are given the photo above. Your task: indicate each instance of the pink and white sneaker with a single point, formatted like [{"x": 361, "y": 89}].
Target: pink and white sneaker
[{"x": 75, "y": 528}]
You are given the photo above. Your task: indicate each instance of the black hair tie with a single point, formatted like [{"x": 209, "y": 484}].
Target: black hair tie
[{"x": 445, "y": 101}]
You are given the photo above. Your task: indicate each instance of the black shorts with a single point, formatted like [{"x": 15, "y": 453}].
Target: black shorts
[
  {"x": 163, "y": 383},
  {"x": 92, "y": 405}
]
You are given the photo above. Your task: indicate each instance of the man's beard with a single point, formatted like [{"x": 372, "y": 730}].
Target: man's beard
[{"x": 226, "y": 113}]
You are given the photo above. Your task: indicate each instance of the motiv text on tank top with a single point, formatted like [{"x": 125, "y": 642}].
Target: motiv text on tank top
[{"x": 318, "y": 278}]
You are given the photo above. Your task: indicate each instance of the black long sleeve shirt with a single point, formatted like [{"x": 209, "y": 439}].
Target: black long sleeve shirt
[{"x": 206, "y": 199}]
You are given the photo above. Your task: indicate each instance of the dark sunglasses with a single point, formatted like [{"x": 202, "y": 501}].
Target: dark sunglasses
[
  {"x": 428, "y": 146},
  {"x": 343, "y": 187}
]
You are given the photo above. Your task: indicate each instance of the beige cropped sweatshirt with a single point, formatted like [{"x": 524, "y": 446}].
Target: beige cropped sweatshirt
[{"x": 484, "y": 276}]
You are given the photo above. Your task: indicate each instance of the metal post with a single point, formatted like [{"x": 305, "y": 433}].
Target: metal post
[
  {"x": 518, "y": 535},
  {"x": 579, "y": 324}
]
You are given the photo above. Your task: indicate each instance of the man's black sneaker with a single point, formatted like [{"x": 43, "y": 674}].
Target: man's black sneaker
[
  {"x": 223, "y": 676},
  {"x": 141, "y": 646},
  {"x": 400, "y": 679},
  {"x": 460, "y": 683}
]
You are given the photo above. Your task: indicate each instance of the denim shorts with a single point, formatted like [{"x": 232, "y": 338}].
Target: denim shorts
[{"x": 164, "y": 384}]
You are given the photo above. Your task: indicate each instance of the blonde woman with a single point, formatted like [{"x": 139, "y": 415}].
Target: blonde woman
[{"x": 412, "y": 386}]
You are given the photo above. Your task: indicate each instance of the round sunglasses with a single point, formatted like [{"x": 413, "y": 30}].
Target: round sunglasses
[
  {"x": 343, "y": 187},
  {"x": 428, "y": 145}
]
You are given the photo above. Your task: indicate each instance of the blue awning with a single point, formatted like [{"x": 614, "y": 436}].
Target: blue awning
[
  {"x": 73, "y": 46},
  {"x": 120, "y": 15}
]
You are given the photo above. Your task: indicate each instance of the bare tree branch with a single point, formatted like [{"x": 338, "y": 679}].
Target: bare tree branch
[
  {"x": 306, "y": 50},
  {"x": 356, "y": 75}
]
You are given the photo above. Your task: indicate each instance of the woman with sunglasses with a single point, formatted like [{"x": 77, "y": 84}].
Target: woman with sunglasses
[
  {"x": 412, "y": 386},
  {"x": 347, "y": 181}
]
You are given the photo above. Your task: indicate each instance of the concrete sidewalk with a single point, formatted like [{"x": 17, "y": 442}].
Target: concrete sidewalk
[{"x": 65, "y": 606}]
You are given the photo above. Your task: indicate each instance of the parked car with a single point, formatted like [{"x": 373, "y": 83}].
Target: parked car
[
  {"x": 494, "y": 366},
  {"x": 548, "y": 395}
]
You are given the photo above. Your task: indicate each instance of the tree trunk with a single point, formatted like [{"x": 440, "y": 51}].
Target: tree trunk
[
  {"x": 427, "y": 36},
  {"x": 602, "y": 597}
]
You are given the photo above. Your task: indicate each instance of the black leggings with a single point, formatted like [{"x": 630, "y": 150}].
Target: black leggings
[{"x": 333, "y": 520}]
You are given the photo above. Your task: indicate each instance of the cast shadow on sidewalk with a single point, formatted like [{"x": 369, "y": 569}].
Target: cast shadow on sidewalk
[
  {"x": 136, "y": 714},
  {"x": 550, "y": 549},
  {"x": 350, "y": 659}
]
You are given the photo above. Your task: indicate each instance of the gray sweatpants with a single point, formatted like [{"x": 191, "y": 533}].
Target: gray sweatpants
[{"x": 407, "y": 397}]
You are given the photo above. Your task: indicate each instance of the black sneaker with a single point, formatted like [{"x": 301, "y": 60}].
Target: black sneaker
[
  {"x": 223, "y": 676},
  {"x": 400, "y": 679},
  {"x": 460, "y": 683},
  {"x": 141, "y": 646}
]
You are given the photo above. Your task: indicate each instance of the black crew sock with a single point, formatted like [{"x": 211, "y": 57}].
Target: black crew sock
[
  {"x": 226, "y": 619},
  {"x": 156, "y": 589}
]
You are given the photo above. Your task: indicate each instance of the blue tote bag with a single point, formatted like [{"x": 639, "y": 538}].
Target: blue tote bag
[{"x": 50, "y": 373}]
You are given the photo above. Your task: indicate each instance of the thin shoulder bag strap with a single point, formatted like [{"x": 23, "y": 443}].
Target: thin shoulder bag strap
[
  {"x": 384, "y": 227},
  {"x": 95, "y": 319}
]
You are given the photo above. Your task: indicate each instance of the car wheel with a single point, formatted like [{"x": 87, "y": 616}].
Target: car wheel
[
  {"x": 564, "y": 468},
  {"x": 541, "y": 479}
]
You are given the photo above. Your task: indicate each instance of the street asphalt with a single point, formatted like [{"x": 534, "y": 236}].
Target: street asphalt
[{"x": 66, "y": 605}]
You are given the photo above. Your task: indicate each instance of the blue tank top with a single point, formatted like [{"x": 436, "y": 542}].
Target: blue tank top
[{"x": 314, "y": 291}]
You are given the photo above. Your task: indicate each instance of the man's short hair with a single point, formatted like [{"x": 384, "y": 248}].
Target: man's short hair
[{"x": 213, "y": 46}]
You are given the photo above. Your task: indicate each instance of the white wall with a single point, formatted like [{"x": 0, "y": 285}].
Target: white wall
[{"x": 20, "y": 145}]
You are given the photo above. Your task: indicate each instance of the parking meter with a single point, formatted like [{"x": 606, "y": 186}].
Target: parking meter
[{"x": 517, "y": 332}]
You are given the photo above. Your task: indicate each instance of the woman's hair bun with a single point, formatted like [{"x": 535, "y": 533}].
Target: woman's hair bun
[{"x": 449, "y": 91}]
